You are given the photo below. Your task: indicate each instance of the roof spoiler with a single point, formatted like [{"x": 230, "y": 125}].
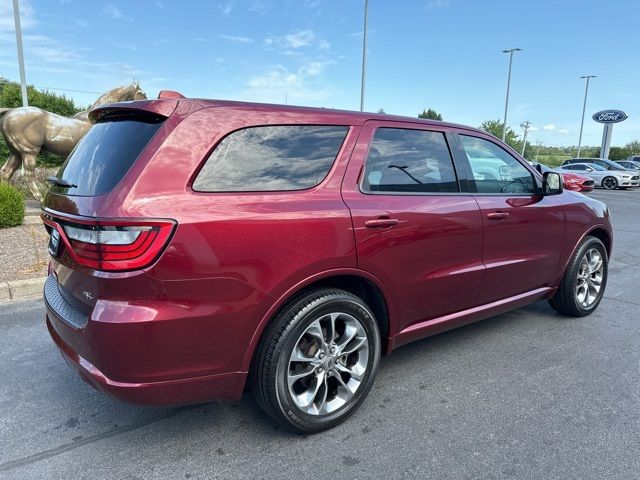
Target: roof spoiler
[
  {"x": 170, "y": 94},
  {"x": 163, "y": 107}
]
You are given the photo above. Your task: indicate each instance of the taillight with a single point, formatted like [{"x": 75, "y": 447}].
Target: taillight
[{"x": 114, "y": 246}]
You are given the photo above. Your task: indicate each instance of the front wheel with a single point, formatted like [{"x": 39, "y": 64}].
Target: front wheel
[
  {"x": 582, "y": 287},
  {"x": 317, "y": 361},
  {"x": 610, "y": 183}
]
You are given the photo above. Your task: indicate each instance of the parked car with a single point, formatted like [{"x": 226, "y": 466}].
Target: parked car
[
  {"x": 634, "y": 158},
  {"x": 603, "y": 162},
  {"x": 609, "y": 179},
  {"x": 572, "y": 181},
  {"x": 629, "y": 164},
  {"x": 200, "y": 244}
]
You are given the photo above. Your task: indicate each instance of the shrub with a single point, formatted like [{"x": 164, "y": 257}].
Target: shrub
[{"x": 11, "y": 206}]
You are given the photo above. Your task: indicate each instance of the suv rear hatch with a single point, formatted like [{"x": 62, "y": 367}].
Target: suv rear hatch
[{"x": 97, "y": 255}]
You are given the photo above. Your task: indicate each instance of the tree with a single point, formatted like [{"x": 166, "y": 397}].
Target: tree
[
  {"x": 430, "y": 114},
  {"x": 381, "y": 110},
  {"x": 10, "y": 96},
  {"x": 495, "y": 127}
]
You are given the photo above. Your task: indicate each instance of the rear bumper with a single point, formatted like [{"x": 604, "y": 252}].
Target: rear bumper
[
  {"x": 180, "y": 345},
  {"x": 225, "y": 386}
]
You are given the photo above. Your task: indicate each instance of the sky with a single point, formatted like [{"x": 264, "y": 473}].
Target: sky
[{"x": 441, "y": 54}]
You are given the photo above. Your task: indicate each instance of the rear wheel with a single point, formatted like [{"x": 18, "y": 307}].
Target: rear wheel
[
  {"x": 584, "y": 281},
  {"x": 610, "y": 183},
  {"x": 317, "y": 361}
]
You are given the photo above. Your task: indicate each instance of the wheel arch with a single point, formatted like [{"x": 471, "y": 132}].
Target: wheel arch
[{"x": 358, "y": 282}]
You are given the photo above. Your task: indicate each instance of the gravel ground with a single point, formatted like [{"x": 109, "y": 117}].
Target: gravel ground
[
  {"x": 23, "y": 252},
  {"x": 23, "y": 249}
]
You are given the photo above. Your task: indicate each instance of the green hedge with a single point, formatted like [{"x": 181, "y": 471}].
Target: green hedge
[{"x": 11, "y": 206}]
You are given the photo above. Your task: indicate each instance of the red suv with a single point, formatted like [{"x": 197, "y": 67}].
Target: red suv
[{"x": 200, "y": 245}]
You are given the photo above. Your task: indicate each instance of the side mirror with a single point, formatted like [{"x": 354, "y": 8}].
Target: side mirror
[{"x": 551, "y": 183}]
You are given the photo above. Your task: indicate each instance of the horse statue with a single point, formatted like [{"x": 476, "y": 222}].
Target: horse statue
[{"x": 30, "y": 130}]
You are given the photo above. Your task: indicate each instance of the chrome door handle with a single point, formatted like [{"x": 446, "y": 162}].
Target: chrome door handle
[
  {"x": 381, "y": 223},
  {"x": 497, "y": 215}
]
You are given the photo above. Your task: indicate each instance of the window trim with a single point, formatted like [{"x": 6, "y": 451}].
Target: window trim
[
  {"x": 207, "y": 156},
  {"x": 473, "y": 189},
  {"x": 417, "y": 127}
]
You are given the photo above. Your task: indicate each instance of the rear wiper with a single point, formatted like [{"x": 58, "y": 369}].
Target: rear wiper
[{"x": 60, "y": 182}]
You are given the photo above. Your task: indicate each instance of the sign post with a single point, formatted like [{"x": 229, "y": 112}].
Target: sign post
[{"x": 608, "y": 118}]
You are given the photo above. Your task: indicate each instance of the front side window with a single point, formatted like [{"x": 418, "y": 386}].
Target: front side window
[
  {"x": 403, "y": 160},
  {"x": 273, "y": 158},
  {"x": 494, "y": 170}
]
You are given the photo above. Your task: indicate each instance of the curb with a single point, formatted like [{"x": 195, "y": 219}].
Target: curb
[{"x": 16, "y": 290}]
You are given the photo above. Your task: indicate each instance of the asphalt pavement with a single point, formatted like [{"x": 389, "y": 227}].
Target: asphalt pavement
[{"x": 525, "y": 395}]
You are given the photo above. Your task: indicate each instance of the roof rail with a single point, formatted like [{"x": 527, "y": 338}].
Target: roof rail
[{"x": 170, "y": 94}]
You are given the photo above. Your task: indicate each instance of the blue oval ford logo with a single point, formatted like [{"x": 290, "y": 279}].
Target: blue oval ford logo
[{"x": 609, "y": 116}]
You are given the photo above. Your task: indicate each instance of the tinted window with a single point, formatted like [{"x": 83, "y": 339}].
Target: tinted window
[
  {"x": 402, "y": 160},
  {"x": 105, "y": 154},
  {"x": 576, "y": 167},
  {"x": 494, "y": 170},
  {"x": 271, "y": 158}
]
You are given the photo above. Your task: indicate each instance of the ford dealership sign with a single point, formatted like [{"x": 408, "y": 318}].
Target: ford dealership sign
[{"x": 610, "y": 116}]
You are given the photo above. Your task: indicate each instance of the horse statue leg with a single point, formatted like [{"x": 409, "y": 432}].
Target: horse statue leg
[
  {"x": 29, "y": 161},
  {"x": 10, "y": 166}
]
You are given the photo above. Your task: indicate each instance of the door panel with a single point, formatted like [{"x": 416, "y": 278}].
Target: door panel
[
  {"x": 522, "y": 250},
  {"x": 523, "y": 231},
  {"x": 426, "y": 248}
]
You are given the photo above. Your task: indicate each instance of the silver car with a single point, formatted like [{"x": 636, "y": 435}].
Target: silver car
[{"x": 609, "y": 179}]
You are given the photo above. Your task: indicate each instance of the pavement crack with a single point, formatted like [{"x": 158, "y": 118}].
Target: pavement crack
[{"x": 52, "y": 452}]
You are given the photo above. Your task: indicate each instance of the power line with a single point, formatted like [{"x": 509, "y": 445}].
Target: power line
[{"x": 56, "y": 88}]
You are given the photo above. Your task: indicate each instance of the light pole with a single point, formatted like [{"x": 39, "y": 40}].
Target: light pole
[
  {"x": 506, "y": 103},
  {"x": 584, "y": 107},
  {"x": 23, "y": 81},
  {"x": 526, "y": 126},
  {"x": 538, "y": 149},
  {"x": 364, "y": 55}
]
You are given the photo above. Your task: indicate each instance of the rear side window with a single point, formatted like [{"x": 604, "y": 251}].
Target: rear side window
[
  {"x": 106, "y": 153},
  {"x": 274, "y": 158},
  {"x": 415, "y": 161}
]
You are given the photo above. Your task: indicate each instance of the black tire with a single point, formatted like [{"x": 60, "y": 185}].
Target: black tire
[
  {"x": 270, "y": 366},
  {"x": 610, "y": 183},
  {"x": 565, "y": 299}
]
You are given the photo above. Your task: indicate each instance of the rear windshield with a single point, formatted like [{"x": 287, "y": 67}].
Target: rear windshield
[{"x": 106, "y": 153}]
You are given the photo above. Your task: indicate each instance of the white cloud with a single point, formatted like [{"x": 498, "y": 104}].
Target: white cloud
[
  {"x": 314, "y": 69},
  {"x": 279, "y": 77},
  {"x": 81, "y": 22},
  {"x": 303, "y": 38},
  {"x": 226, "y": 8},
  {"x": 112, "y": 11},
  {"x": 437, "y": 3},
  {"x": 324, "y": 45},
  {"x": 564, "y": 131},
  {"x": 549, "y": 127},
  {"x": 235, "y": 38},
  {"x": 300, "y": 86}
]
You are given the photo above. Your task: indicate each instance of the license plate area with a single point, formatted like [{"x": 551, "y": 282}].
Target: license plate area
[{"x": 54, "y": 242}]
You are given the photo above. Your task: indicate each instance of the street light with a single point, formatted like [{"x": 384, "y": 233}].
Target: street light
[
  {"x": 526, "y": 126},
  {"x": 364, "y": 54},
  {"x": 584, "y": 107},
  {"x": 23, "y": 82},
  {"x": 506, "y": 103}
]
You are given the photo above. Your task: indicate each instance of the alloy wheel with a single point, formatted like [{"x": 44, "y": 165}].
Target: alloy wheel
[
  {"x": 609, "y": 183},
  {"x": 589, "y": 278},
  {"x": 328, "y": 363}
]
